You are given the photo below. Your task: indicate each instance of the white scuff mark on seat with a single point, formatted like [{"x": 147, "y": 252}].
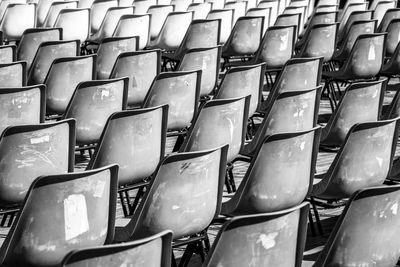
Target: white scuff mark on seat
[
  {"x": 302, "y": 145},
  {"x": 175, "y": 207},
  {"x": 394, "y": 208},
  {"x": 371, "y": 52},
  {"x": 75, "y": 216},
  {"x": 99, "y": 189},
  {"x": 39, "y": 140},
  {"x": 380, "y": 161},
  {"x": 267, "y": 241}
]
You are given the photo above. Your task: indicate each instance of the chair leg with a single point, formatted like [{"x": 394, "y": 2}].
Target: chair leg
[
  {"x": 317, "y": 219},
  {"x": 190, "y": 249},
  {"x": 124, "y": 208},
  {"x": 138, "y": 196},
  {"x": 231, "y": 178},
  {"x": 227, "y": 183},
  {"x": 173, "y": 260},
  {"x": 178, "y": 143},
  {"x": 311, "y": 223}
]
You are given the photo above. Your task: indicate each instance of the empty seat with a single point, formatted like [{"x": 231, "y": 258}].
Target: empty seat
[
  {"x": 361, "y": 102},
  {"x": 219, "y": 122},
  {"x": 13, "y": 74},
  {"x": 261, "y": 12},
  {"x": 206, "y": 59},
  {"x": 288, "y": 112},
  {"x": 45, "y": 55},
  {"x": 141, "y": 6},
  {"x": 110, "y": 21},
  {"x": 180, "y": 90},
  {"x": 392, "y": 39},
  {"x": 280, "y": 175},
  {"x": 170, "y": 36},
  {"x": 391, "y": 14},
  {"x": 12, "y": 25},
  {"x": 54, "y": 10},
  {"x": 82, "y": 206},
  {"x": 63, "y": 77},
  {"x": 74, "y": 22},
  {"x": 31, "y": 40},
  {"x": 98, "y": 10},
  {"x": 273, "y": 5},
  {"x": 22, "y": 105},
  {"x": 367, "y": 225},
  {"x": 364, "y": 160},
  {"x": 158, "y": 15},
  {"x": 245, "y": 38},
  {"x": 239, "y": 9},
  {"x": 29, "y": 151},
  {"x": 150, "y": 251},
  {"x": 353, "y": 17},
  {"x": 134, "y": 25},
  {"x": 200, "y": 10},
  {"x": 141, "y": 67},
  {"x": 226, "y": 17},
  {"x": 135, "y": 140},
  {"x": 243, "y": 81},
  {"x": 7, "y": 53},
  {"x": 91, "y": 105},
  {"x": 267, "y": 239},
  {"x": 108, "y": 52}
]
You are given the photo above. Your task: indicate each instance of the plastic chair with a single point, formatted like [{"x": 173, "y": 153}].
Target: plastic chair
[
  {"x": 171, "y": 36},
  {"x": 321, "y": 42},
  {"x": 296, "y": 75},
  {"x": 135, "y": 140},
  {"x": 31, "y": 151},
  {"x": 361, "y": 102},
  {"x": 263, "y": 12},
  {"x": 151, "y": 251},
  {"x": 276, "y": 48},
  {"x": 228, "y": 118},
  {"x": 83, "y": 208},
  {"x": 243, "y": 81},
  {"x": 7, "y": 53},
  {"x": 98, "y": 10},
  {"x": 31, "y": 40},
  {"x": 280, "y": 175},
  {"x": 85, "y": 3},
  {"x": 4, "y": 5},
  {"x": 200, "y": 34},
  {"x": 22, "y": 105},
  {"x": 381, "y": 9},
  {"x": 356, "y": 29},
  {"x": 42, "y": 9},
  {"x": 12, "y": 25},
  {"x": 353, "y": 17},
  {"x": 326, "y": 8},
  {"x": 207, "y": 60},
  {"x": 200, "y": 10},
  {"x": 392, "y": 66},
  {"x": 91, "y": 105},
  {"x": 13, "y": 74},
  {"x": 181, "y": 91},
  {"x": 159, "y": 14},
  {"x": 46, "y": 53},
  {"x": 364, "y": 160},
  {"x": 393, "y": 13},
  {"x": 239, "y": 9},
  {"x": 226, "y": 17},
  {"x": 367, "y": 224},
  {"x": 141, "y": 6},
  {"x": 55, "y": 9},
  {"x": 217, "y": 4},
  {"x": 274, "y": 5},
  {"x": 75, "y": 24},
  {"x": 392, "y": 39},
  {"x": 288, "y": 112},
  {"x": 109, "y": 23},
  {"x": 344, "y": 17},
  {"x": 109, "y": 50},
  {"x": 364, "y": 62},
  {"x": 63, "y": 77},
  {"x": 141, "y": 67},
  {"x": 269, "y": 239},
  {"x": 316, "y": 19},
  {"x": 184, "y": 196},
  {"x": 134, "y": 25},
  {"x": 297, "y": 10},
  {"x": 245, "y": 38},
  {"x": 180, "y": 5},
  {"x": 289, "y": 20}
]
